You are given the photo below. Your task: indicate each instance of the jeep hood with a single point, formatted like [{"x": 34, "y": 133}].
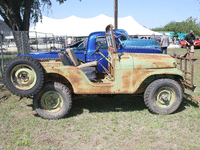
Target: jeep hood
[{"x": 150, "y": 61}]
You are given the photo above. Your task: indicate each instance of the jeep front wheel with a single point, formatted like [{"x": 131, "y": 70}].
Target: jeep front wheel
[
  {"x": 53, "y": 101},
  {"x": 163, "y": 96}
]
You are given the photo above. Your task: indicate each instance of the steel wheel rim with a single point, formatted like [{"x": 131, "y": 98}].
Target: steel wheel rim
[
  {"x": 23, "y": 77},
  {"x": 52, "y": 101},
  {"x": 164, "y": 97}
]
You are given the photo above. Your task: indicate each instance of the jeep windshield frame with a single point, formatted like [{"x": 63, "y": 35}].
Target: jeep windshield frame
[{"x": 110, "y": 37}]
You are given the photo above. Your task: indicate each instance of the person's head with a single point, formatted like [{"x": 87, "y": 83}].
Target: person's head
[
  {"x": 191, "y": 32},
  {"x": 163, "y": 34}
]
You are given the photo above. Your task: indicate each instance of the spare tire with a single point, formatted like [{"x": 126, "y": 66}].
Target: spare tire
[{"x": 24, "y": 76}]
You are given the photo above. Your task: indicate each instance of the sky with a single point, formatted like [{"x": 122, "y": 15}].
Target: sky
[{"x": 148, "y": 13}]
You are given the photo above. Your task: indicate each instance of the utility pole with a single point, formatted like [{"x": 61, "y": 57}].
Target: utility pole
[{"x": 116, "y": 14}]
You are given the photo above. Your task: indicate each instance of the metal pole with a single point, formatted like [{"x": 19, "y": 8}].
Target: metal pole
[
  {"x": 54, "y": 41},
  {"x": 46, "y": 41},
  {"x": 65, "y": 40},
  {"x": 116, "y": 14},
  {"x": 36, "y": 41}
]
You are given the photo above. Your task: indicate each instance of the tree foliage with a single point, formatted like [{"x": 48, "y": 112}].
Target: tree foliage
[
  {"x": 17, "y": 14},
  {"x": 182, "y": 27}
]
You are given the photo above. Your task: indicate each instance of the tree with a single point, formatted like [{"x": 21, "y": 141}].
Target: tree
[
  {"x": 18, "y": 14},
  {"x": 182, "y": 27}
]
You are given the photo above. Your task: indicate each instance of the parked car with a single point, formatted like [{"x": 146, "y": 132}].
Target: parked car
[
  {"x": 97, "y": 38},
  {"x": 138, "y": 42},
  {"x": 196, "y": 43}
]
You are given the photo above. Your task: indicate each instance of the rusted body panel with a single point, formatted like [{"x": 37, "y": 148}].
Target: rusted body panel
[{"x": 128, "y": 74}]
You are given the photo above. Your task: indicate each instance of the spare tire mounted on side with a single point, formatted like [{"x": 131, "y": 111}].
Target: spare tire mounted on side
[{"x": 24, "y": 76}]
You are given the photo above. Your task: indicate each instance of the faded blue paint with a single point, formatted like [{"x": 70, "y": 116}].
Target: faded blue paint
[{"x": 137, "y": 42}]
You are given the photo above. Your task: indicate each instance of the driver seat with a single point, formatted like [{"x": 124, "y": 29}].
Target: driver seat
[
  {"x": 72, "y": 56},
  {"x": 70, "y": 59}
]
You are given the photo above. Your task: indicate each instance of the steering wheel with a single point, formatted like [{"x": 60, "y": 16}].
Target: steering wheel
[{"x": 97, "y": 50}]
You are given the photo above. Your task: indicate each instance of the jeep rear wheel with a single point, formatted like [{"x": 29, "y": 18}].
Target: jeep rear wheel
[
  {"x": 53, "y": 101},
  {"x": 163, "y": 96},
  {"x": 24, "y": 76}
]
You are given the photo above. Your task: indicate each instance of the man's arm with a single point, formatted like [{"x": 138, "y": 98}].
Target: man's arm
[
  {"x": 161, "y": 43},
  {"x": 168, "y": 41},
  {"x": 186, "y": 40},
  {"x": 161, "y": 40}
]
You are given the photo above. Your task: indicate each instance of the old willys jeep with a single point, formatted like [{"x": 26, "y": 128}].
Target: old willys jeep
[{"x": 53, "y": 83}]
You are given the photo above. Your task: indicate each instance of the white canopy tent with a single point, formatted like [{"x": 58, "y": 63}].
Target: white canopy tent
[{"x": 75, "y": 26}]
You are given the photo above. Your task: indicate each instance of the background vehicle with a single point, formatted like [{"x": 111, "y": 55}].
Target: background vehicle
[
  {"x": 196, "y": 43},
  {"x": 128, "y": 42},
  {"x": 94, "y": 40}
]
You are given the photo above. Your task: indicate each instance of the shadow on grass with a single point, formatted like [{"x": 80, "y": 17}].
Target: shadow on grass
[
  {"x": 118, "y": 103},
  {"x": 94, "y": 103}
]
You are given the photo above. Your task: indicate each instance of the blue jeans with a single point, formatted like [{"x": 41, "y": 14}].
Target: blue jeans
[{"x": 164, "y": 49}]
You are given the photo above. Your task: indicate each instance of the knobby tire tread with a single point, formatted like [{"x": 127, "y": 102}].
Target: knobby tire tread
[
  {"x": 46, "y": 115},
  {"x": 151, "y": 86},
  {"x": 32, "y": 60}
]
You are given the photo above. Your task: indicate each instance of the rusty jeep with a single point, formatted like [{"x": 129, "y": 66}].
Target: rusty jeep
[{"x": 54, "y": 83}]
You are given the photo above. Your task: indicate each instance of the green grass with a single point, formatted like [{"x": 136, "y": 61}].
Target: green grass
[{"x": 121, "y": 122}]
